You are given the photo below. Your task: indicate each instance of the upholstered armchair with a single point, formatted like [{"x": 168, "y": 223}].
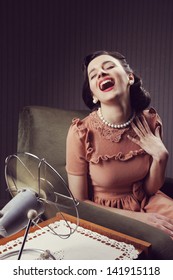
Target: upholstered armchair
[{"x": 42, "y": 131}]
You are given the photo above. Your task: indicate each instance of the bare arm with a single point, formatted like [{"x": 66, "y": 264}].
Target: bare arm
[{"x": 78, "y": 185}]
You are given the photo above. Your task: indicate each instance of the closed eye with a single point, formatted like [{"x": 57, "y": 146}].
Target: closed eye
[
  {"x": 93, "y": 76},
  {"x": 108, "y": 65}
]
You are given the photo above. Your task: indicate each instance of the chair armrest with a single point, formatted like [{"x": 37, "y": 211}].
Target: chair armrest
[{"x": 162, "y": 244}]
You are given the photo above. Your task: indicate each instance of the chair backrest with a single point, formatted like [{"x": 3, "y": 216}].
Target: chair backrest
[{"x": 42, "y": 131}]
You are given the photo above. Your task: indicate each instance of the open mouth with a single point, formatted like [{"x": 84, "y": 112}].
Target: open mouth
[{"x": 107, "y": 84}]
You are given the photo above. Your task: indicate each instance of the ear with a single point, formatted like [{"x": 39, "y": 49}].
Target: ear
[{"x": 131, "y": 79}]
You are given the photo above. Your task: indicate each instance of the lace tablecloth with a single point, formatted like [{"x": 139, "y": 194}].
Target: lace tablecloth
[{"x": 83, "y": 244}]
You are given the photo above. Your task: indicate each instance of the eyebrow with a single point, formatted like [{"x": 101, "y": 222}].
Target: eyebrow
[{"x": 107, "y": 61}]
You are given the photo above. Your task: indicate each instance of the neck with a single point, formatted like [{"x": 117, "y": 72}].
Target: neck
[
  {"x": 116, "y": 114},
  {"x": 117, "y": 125}
]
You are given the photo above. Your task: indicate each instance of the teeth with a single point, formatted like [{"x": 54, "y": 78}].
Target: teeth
[{"x": 104, "y": 82}]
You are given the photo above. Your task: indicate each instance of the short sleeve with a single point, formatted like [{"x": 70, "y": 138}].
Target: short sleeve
[
  {"x": 76, "y": 163},
  {"x": 154, "y": 120}
]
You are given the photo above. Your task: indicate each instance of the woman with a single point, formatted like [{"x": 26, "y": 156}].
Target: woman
[{"x": 115, "y": 156}]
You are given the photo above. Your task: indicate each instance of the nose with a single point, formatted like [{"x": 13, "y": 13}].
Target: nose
[{"x": 101, "y": 73}]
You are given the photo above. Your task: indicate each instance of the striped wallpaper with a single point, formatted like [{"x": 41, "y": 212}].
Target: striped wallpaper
[{"x": 43, "y": 43}]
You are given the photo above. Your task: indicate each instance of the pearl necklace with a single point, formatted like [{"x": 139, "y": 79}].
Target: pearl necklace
[{"x": 123, "y": 125}]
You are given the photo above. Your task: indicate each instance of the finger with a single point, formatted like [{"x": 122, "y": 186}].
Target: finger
[
  {"x": 164, "y": 221},
  {"x": 166, "y": 230},
  {"x": 146, "y": 125},
  {"x": 168, "y": 225},
  {"x": 157, "y": 132},
  {"x": 134, "y": 140},
  {"x": 140, "y": 126},
  {"x": 162, "y": 217},
  {"x": 136, "y": 130}
]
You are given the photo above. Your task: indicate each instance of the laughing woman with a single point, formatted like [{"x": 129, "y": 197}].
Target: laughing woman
[{"x": 115, "y": 156}]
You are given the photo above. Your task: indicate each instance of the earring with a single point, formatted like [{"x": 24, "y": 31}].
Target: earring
[
  {"x": 130, "y": 82},
  {"x": 95, "y": 100}
]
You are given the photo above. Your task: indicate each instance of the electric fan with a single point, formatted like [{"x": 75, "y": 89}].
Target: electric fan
[{"x": 37, "y": 189}]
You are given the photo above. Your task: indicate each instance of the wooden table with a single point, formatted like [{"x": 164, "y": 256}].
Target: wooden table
[{"x": 143, "y": 247}]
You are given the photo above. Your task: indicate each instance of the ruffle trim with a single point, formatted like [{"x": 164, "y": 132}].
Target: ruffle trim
[
  {"x": 120, "y": 156},
  {"x": 135, "y": 201},
  {"x": 85, "y": 136}
]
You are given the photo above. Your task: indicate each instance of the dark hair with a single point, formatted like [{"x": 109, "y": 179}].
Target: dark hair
[{"x": 139, "y": 97}]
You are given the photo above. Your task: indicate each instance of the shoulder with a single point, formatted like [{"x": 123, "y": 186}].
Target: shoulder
[
  {"x": 152, "y": 118},
  {"x": 80, "y": 127},
  {"x": 80, "y": 124},
  {"x": 152, "y": 115}
]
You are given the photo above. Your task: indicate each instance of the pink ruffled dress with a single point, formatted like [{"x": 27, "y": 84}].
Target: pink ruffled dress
[{"x": 116, "y": 166}]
